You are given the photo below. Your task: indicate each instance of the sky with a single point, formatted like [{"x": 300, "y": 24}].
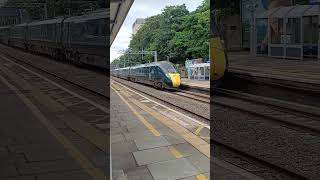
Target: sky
[{"x": 143, "y": 9}]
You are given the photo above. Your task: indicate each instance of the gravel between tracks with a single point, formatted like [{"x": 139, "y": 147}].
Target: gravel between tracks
[
  {"x": 292, "y": 149},
  {"x": 93, "y": 80}
]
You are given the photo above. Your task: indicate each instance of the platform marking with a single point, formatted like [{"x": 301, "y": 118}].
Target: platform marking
[
  {"x": 83, "y": 128},
  {"x": 104, "y": 109},
  {"x": 175, "y": 152},
  {"x": 201, "y": 177},
  {"x": 191, "y": 138},
  {"x": 181, "y": 114},
  {"x": 140, "y": 117},
  {"x": 198, "y": 130},
  {"x": 69, "y": 147}
]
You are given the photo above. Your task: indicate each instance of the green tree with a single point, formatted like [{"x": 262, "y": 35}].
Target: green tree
[{"x": 175, "y": 32}]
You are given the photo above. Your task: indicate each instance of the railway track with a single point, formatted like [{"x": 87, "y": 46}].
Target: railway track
[
  {"x": 281, "y": 114},
  {"x": 86, "y": 84},
  {"x": 288, "y": 113},
  {"x": 191, "y": 96},
  {"x": 87, "y": 104}
]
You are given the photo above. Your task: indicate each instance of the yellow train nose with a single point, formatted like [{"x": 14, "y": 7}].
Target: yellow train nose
[{"x": 176, "y": 80}]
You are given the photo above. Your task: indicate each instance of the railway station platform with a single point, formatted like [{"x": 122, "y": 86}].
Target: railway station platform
[
  {"x": 292, "y": 72},
  {"x": 152, "y": 142},
  {"x": 35, "y": 144},
  {"x": 200, "y": 85}
]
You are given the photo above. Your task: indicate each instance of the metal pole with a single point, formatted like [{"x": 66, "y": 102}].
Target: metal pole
[
  {"x": 155, "y": 56},
  {"x": 141, "y": 56}
]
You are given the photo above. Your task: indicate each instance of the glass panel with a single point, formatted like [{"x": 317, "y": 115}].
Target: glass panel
[
  {"x": 262, "y": 36},
  {"x": 293, "y": 35},
  {"x": 310, "y": 31},
  {"x": 276, "y": 28}
]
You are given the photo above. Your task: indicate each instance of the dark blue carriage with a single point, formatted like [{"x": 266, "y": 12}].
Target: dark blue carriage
[{"x": 158, "y": 74}]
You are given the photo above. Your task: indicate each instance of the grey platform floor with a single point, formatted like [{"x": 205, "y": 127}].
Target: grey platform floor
[
  {"x": 27, "y": 150},
  {"x": 139, "y": 155},
  {"x": 299, "y": 70}
]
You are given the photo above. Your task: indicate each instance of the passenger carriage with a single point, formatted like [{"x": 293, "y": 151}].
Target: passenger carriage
[
  {"x": 158, "y": 74},
  {"x": 85, "y": 39},
  {"x": 80, "y": 39},
  {"x": 17, "y": 36},
  {"x": 44, "y": 37}
]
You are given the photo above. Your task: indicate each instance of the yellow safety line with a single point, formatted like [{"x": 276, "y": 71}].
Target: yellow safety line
[
  {"x": 191, "y": 138},
  {"x": 175, "y": 152},
  {"x": 72, "y": 121},
  {"x": 201, "y": 177},
  {"x": 140, "y": 117},
  {"x": 198, "y": 130},
  {"x": 72, "y": 150}
]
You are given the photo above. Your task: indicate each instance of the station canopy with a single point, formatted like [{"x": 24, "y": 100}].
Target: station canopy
[
  {"x": 290, "y": 11},
  {"x": 118, "y": 12}
]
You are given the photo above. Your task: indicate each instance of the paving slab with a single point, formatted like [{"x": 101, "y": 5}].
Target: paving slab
[
  {"x": 186, "y": 149},
  {"x": 8, "y": 170},
  {"x": 174, "y": 139},
  {"x": 152, "y": 155},
  {"x": 200, "y": 161},
  {"x": 21, "y": 178},
  {"x": 48, "y": 166},
  {"x": 117, "y": 138},
  {"x": 123, "y": 147},
  {"x": 46, "y": 155},
  {"x": 151, "y": 142},
  {"x": 137, "y": 135},
  {"x": 73, "y": 175},
  {"x": 173, "y": 169},
  {"x": 123, "y": 161},
  {"x": 138, "y": 173},
  {"x": 119, "y": 175},
  {"x": 201, "y": 177}
]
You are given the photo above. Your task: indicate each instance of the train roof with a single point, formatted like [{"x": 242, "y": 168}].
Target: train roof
[
  {"x": 20, "y": 25},
  {"x": 4, "y": 27},
  {"x": 159, "y": 63},
  {"x": 99, "y": 14},
  {"x": 146, "y": 65},
  {"x": 49, "y": 21}
]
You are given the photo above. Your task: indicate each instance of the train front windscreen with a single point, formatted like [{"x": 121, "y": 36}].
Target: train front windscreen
[{"x": 168, "y": 68}]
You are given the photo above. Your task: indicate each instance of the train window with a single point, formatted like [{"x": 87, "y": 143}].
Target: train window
[
  {"x": 168, "y": 68},
  {"x": 76, "y": 31},
  {"x": 103, "y": 28},
  {"x": 93, "y": 28}
]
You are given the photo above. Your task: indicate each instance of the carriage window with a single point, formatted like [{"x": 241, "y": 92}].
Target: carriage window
[
  {"x": 93, "y": 28},
  {"x": 103, "y": 27},
  {"x": 76, "y": 32},
  {"x": 168, "y": 68}
]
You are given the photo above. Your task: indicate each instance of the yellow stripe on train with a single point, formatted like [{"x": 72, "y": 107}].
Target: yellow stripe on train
[{"x": 176, "y": 80}]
